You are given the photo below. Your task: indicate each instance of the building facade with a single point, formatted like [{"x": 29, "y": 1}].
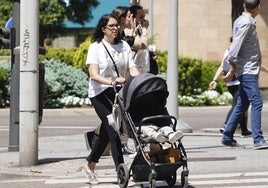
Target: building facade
[{"x": 204, "y": 28}]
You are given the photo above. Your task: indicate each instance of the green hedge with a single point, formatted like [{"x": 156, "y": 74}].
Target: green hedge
[
  {"x": 3, "y": 90},
  {"x": 208, "y": 71},
  {"x": 80, "y": 55},
  {"x": 66, "y": 75},
  {"x": 5, "y": 52},
  {"x": 62, "y": 54},
  {"x": 194, "y": 74},
  {"x": 4, "y": 83}
]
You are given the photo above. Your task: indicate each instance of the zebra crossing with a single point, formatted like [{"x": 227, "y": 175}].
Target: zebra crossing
[
  {"x": 230, "y": 180},
  {"x": 227, "y": 180}
]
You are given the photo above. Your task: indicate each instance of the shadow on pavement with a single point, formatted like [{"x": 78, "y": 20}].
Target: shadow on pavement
[{"x": 53, "y": 160}]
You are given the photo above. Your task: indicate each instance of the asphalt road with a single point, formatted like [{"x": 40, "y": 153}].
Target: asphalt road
[{"x": 60, "y": 122}]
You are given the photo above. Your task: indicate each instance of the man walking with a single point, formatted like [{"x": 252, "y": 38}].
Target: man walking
[{"x": 244, "y": 57}]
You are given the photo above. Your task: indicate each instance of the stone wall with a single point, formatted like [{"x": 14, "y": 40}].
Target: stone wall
[{"x": 68, "y": 41}]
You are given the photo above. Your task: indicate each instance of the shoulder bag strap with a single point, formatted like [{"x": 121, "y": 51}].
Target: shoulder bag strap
[{"x": 115, "y": 67}]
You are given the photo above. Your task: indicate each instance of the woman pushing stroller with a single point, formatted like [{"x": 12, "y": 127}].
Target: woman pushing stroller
[{"x": 109, "y": 60}]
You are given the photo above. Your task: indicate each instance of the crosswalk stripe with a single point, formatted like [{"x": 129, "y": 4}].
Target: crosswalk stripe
[
  {"x": 79, "y": 180},
  {"x": 194, "y": 180},
  {"x": 6, "y": 128},
  {"x": 63, "y": 127},
  {"x": 22, "y": 180},
  {"x": 232, "y": 181},
  {"x": 233, "y": 178},
  {"x": 246, "y": 186},
  {"x": 226, "y": 175},
  {"x": 64, "y": 181}
]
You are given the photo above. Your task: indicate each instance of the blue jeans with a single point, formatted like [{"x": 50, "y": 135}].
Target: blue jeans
[{"x": 249, "y": 93}]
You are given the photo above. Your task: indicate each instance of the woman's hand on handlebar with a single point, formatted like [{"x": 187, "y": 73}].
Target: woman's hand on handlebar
[{"x": 119, "y": 80}]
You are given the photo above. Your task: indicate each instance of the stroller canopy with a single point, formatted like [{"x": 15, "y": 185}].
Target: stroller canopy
[{"x": 145, "y": 95}]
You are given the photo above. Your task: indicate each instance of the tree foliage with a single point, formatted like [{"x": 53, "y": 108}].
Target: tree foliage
[
  {"x": 5, "y": 11},
  {"x": 80, "y": 55},
  {"x": 53, "y": 13},
  {"x": 80, "y": 10}
]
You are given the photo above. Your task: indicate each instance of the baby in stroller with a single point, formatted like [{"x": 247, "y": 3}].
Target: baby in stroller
[
  {"x": 155, "y": 130},
  {"x": 161, "y": 134}
]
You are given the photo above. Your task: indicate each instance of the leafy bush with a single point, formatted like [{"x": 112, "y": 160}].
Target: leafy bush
[
  {"x": 62, "y": 54},
  {"x": 194, "y": 74},
  {"x": 74, "y": 56},
  {"x": 3, "y": 90},
  {"x": 62, "y": 81},
  {"x": 190, "y": 72},
  {"x": 162, "y": 61},
  {"x": 67, "y": 86},
  {"x": 4, "y": 83},
  {"x": 80, "y": 55},
  {"x": 5, "y": 52},
  {"x": 208, "y": 72}
]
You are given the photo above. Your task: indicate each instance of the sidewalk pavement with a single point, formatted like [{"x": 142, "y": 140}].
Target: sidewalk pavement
[{"x": 64, "y": 156}]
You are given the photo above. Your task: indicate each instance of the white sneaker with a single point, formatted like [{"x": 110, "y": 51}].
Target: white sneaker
[
  {"x": 90, "y": 175},
  {"x": 173, "y": 137},
  {"x": 159, "y": 137}
]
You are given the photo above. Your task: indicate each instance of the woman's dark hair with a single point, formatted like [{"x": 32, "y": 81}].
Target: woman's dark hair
[
  {"x": 98, "y": 34},
  {"x": 134, "y": 8},
  {"x": 120, "y": 11}
]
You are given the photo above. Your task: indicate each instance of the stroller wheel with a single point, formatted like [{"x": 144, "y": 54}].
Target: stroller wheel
[
  {"x": 122, "y": 175},
  {"x": 172, "y": 179},
  {"x": 152, "y": 179},
  {"x": 184, "y": 180},
  {"x": 152, "y": 183}
]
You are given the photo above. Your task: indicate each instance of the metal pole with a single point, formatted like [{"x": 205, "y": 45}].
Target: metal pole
[
  {"x": 29, "y": 78},
  {"x": 172, "y": 66},
  {"x": 150, "y": 32},
  {"x": 15, "y": 83}
]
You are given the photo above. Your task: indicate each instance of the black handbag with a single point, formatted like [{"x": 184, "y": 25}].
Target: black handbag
[{"x": 153, "y": 64}]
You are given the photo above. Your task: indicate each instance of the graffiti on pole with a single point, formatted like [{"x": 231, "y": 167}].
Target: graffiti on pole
[{"x": 26, "y": 46}]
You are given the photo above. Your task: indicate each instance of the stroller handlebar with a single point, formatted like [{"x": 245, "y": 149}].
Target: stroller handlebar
[{"x": 115, "y": 84}]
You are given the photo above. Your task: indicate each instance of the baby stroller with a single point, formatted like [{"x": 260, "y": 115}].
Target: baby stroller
[{"x": 141, "y": 101}]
